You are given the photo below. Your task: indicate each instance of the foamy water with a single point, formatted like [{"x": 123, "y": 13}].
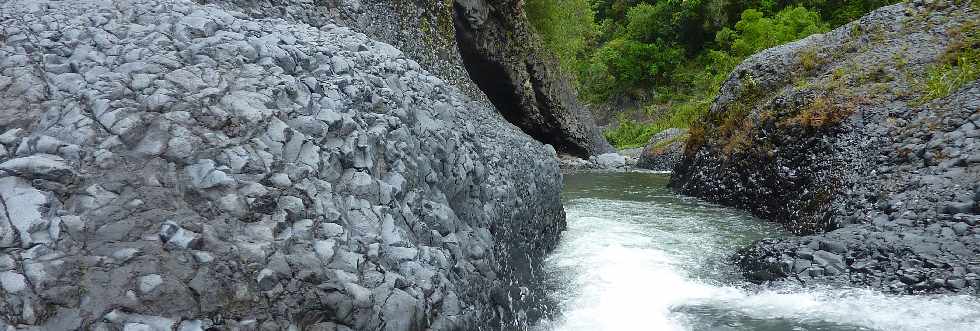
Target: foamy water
[{"x": 637, "y": 257}]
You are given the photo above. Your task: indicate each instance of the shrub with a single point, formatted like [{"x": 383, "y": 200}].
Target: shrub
[
  {"x": 960, "y": 64},
  {"x": 565, "y": 26},
  {"x": 755, "y": 32}
]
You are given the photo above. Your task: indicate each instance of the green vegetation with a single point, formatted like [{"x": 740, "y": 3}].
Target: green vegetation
[
  {"x": 565, "y": 26},
  {"x": 960, "y": 64},
  {"x": 673, "y": 55}
]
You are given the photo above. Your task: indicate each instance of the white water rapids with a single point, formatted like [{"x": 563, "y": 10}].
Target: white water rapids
[{"x": 637, "y": 257}]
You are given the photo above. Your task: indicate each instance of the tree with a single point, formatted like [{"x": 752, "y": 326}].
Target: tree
[{"x": 755, "y": 32}]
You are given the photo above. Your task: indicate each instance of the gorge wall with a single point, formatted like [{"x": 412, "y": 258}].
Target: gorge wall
[
  {"x": 833, "y": 135},
  {"x": 486, "y": 48},
  {"x": 172, "y": 165}
]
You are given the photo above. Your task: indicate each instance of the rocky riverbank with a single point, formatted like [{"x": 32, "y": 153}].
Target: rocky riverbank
[
  {"x": 841, "y": 138},
  {"x": 664, "y": 150},
  {"x": 167, "y": 164}
]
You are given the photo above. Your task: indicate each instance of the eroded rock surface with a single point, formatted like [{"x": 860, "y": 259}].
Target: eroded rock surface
[
  {"x": 486, "y": 42},
  {"x": 170, "y": 165},
  {"x": 523, "y": 82},
  {"x": 831, "y": 133}
]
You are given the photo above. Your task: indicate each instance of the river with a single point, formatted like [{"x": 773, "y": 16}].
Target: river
[{"x": 636, "y": 256}]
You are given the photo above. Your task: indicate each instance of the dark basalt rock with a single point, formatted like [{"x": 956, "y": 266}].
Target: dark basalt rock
[
  {"x": 486, "y": 49},
  {"x": 523, "y": 82},
  {"x": 827, "y": 137},
  {"x": 167, "y": 165}
]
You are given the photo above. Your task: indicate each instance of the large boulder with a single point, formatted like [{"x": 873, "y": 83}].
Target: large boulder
[
  {"x": 833, "y": 135},
  {"x": 170, "y": 165}
]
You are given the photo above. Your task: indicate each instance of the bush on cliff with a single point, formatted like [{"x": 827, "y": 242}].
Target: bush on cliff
[
  {"x": 695, "y": 83},
  {"x": 673, "y": 53},
  {"x": 958, "y": 66}
]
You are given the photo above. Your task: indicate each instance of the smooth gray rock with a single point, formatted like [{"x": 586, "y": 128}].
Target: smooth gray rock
[{"x": 609, "y": 160}]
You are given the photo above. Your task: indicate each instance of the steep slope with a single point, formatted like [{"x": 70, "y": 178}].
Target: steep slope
[
  {"x": 833, "y": 133},
  {"x": 165, "y": 164}
]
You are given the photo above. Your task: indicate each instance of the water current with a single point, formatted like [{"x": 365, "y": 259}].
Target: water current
[{"x": 636, "y": 256}]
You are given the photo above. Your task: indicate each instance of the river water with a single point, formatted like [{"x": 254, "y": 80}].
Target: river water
[{"x": 637, "y": 257}]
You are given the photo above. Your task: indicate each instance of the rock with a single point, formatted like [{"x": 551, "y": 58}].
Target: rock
[
  {"x": 10, "y": 136},
  {"x": 42, "y": 166},
  {"x": 833, "y": 246},
  {"x": 400, "y": 309},
  {"x": 266, "y": 279},
  {"x": 878, "y": 185},
  {"x": 176, "y": 237},
  {"x": 186, "y": 80},
  {"x": 521, "y": 80},
  {"x": 195, "y": 159},
  {"x": 137, "y": 327},
  {"x": 958, "y": 207},
  {"x": 12, "y": 282},
  {"x": 828, "y": 260},
  {"x": 664, "y": 150},
  {"x": 22, "y": 212},
  {"x": 148, "y": 283},
  {"x": 204, "y": 175},
  {"x": 281, "y": 180},
  {"x": 609, "y": 161},
  {"x": 960, "y": 228}
]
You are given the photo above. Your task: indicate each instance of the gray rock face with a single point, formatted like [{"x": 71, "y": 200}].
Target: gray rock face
[
  {"x": 663, "y": 151},
  {"x": 523, "y": 82},
  {"x": 830, "y": 137},
  {"x": 170, "y": 165},
  {"x": 423, "y": 30},
  {"x": 462, "y": 42}
]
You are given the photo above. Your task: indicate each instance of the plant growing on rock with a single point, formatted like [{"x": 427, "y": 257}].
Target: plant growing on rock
[{"x": 960, "y": 64}]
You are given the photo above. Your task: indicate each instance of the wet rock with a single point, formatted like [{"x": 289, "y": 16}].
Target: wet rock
[{"x": 828, "y": 260}]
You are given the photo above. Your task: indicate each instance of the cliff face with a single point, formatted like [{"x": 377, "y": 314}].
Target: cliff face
[
  {"x": 485, "y": 48},
  {"x": 522, "y": 81},
  {"x": 831, "y": 133},
  {"x": 166, "y": 163},
  {"x": 422, "y": 29}
]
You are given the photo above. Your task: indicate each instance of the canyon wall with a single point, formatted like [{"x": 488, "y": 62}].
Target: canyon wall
[{"x": 171, "y": 165}]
